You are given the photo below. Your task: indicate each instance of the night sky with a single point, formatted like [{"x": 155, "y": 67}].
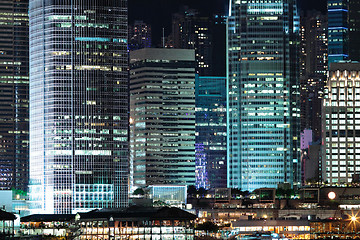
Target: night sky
[{"x": 158, "y": 12}]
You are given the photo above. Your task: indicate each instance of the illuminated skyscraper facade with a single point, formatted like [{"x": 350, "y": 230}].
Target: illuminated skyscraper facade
[
  {"x": 162, "y": 111},
  {"x": 263, "y": 94},
  {"x": 79, "y": 105},
  {"x": 14, "y": 100},
  {"x": 341, "y": 123}
]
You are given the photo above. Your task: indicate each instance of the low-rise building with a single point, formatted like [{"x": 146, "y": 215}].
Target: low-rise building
[
  {"x": 136, "y": 223},
  {"x": 335, "y": 228},
  {"x": 54, "y": 225},
  {"x": 139, "y": 223},
  {"x": 293, "y": 229},
  {"x": 6, "y": 225}
]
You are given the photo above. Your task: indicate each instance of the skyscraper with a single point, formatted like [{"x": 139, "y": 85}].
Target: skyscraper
[
  {"x": 344, "y": 30},
  {"x": 79, "y": 105},
  {"x": 354, "y": 30},
  {"x": 162, "y": 111},
  {"x": 191, "y": 31},
  {"x": 263, "y": 94},
  {"x": 341, "y": 119},
  {"x": 313, "y": 69},
  {"x": 139, "y": 35},
  {"x": 338, "y": 30},
  {"x": 14, "y": 100},
  {"x": 210, "y": 146}
]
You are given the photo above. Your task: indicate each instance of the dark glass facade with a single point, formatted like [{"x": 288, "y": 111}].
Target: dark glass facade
[
  {"x": 79, "y": 105},
  {"x": 338, "y": 30},
  {"x": 314, "y": 56},
  {"x": 354, "y": 30},
  {"x": 14, "y": 99},
  {"x": 139, "y": 35},
  {"x": 210, "y": 140},
  {"x": 191, "y": 31}
]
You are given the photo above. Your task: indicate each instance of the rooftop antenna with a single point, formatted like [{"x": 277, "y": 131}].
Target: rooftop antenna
[{"x": 163, "y": 38}]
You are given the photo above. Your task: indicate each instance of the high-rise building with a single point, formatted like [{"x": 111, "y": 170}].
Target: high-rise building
[
  {"x": 338, "y": 30},
  {"x": 162, "y": 113},
  {"x": 79, "y": 105},
  {"x": 139, "y": 35},
  {"x": 191, "y": 31},
  {"x": 263, "y": 94},
  {"x": 344, "y": 30},
  {"x": 354, "y": 30},
  {"x": 341, "y": 119},
  {"x": 313, "y": 69},
  {"x": 14, "y": 100},
  {"x": 210, "y": 140}
]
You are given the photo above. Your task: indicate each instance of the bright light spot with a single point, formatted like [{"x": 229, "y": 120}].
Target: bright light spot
[
  {"x": 332, "y": 195},
  {"x": 353, "y": 218}
]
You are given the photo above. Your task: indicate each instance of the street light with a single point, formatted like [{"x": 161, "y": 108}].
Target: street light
[{"x": 353, "y": 220}]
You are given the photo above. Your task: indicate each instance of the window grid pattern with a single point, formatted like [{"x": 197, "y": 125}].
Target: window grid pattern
[
  {"x": 341, "y": 119},
  {"x": 79, "y": 105},
  {"x": 263, "y": 94}
]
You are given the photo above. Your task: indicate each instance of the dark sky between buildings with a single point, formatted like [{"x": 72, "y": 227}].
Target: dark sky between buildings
[{"x": 158, "y": 12}]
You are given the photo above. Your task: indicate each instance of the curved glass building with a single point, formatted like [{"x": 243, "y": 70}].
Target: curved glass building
[{"x": 78, "y": 105}]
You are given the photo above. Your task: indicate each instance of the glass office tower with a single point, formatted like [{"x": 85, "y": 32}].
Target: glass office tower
[
  {"x": 338, "y": 28},
  {"x": 263, "y": 94},
  {"x": 344, "y": 30},
  {"x": 79, "y": 105},
  {"x": 210, "y": 140},
  {"x": 14, "y": 101},
  {"x": 162, "y": 110}
]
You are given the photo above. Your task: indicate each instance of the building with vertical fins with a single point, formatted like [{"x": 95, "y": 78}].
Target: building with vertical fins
[
  {"x": 162, "y": 111},
  {"x": 263, "y": 94},
  {"x": 341, "y": 129},
  {"x": 210, "y": 145},
  {"x": 79, "y": 105},
  {"x": 14, "y": 100}
]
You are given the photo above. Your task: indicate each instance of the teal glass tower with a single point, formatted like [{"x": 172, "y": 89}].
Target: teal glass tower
[
  {"x": 263, "y": 94},
  {"x": 78, "y": 105}
]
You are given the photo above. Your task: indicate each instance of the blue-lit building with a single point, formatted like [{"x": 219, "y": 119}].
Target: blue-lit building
[
  {"x": 263, "y": 94},
  {"x": 338, "y": 45},
  {"x": 210, "y": 140},
  {"x": 344, "y": 30}
]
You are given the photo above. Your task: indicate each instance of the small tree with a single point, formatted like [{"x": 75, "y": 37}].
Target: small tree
[
  {"x": 191, "y": 191},
  {"x": 139, "y": 191},
  {"x": 202, "y": 192},
  {"x": 208, "y": 227}
]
